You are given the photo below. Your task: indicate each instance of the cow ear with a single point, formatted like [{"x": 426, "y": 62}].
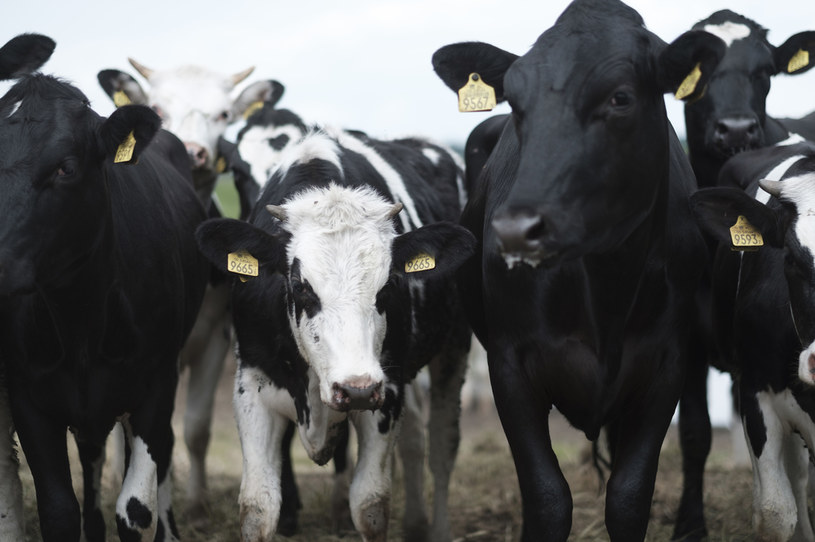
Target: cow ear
[
  {"x": 796, "y": 55},
  {"x": 24, "y": 54},
  {"x": 685, "y": 66},
  {"x": 433, "y": 251},
  {"x": 454, "y": 64},
  {"x": 121, "y": 88},
  {"x": 717, "y": 209},
  {"x": 262, "y": 93},
  {"x": 219, "y": 237},
  {"x": 127, "y": 132}
]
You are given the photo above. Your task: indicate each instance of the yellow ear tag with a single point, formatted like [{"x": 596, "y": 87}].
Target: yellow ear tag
[
  {"x": 120, "y": 98},
  {"x": 476, "y": 95},
  {"x": 242, "y": 263},
  {"x": 220, "y": 165},
  {"x": 745, "y": 236},
  {"x": 254, "y": 106},
  {"x": 798, "y": 61},
  {"x": 125, "y": 151},
  {"x": 688, "y": 86},
  {"x": 422, "y": 262}
]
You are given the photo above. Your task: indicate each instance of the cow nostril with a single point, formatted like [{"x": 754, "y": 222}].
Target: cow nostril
[
  {"x": 519, "y": 232},
  {"x": 345, "y": 397},
  {"x": 811, "y": 363}
]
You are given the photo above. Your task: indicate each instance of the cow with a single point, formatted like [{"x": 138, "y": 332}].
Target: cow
[
  {"x": 765, "y": 312},
  {"x": 582, "y": 285},
  {"x": 729, "y": 118},
  {"x": 100, "y": 283},
  {"x": 337, "y": 323},
  {"x": 194, "y": 103},
  {"x": 23, "y": 54}
]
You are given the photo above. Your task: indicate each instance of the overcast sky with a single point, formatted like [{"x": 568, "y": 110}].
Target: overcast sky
[{"x": 358, "y": 64}]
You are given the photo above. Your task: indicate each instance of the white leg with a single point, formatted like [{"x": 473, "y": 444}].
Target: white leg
[
  {"x": 137, "y": 503},
  {"x": 774, "y": 508},
  {"x": 412, "y": 451},
  {"x": 261, "y": 433},
  {"x": 204, "y": 353},
  {"x": 11, "y": 492},
  {"x": 797, "y": 462},
  {"x": 371, "y": 486},
  {"x": 446, "y": 380}
]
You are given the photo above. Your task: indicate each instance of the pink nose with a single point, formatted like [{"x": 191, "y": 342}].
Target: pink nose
[
  {"x": 347, "y": 397},
  {"x": 811, "y": 364},
  {"x": 198, "y": 155}
]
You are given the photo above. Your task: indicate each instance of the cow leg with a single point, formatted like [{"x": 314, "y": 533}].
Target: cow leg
[
  {"x": 412, "y": 452},
  {"x": 446, "y": 380},
  {"x": 11, "y": 490},
  {"x": 261, "y": 433},
  {"x": 774, "y": 507},
  {"x": 144, "y": 507},
  {"x": 630, "y": 489},
  {"x": 92, "y": 458},
  {"x": 46, "y": 452},
  {"x": 796, "y": 457},
  {"x": 370, "y": 491},
  {"x": 695, "y": 436},
  {"x": 204, "y": 352},
  {"x": 545, "y": 495},
  {"x": 340, "y": 512},
  {"x": 290, "y": 496}
]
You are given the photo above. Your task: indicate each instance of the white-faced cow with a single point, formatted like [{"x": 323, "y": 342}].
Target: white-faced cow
[
  {"x": 195, "y": 104},
  {"x": 100, "y": 283},
  {"x": 765, "y": 314},
  {"x": 353, "y": 297},
  {"x": 582, "y": 287},
  {"x": 729, "y": 118}
]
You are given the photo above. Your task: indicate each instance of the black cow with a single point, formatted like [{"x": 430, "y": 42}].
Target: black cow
[
  {"x": 765, "y": 316},
  {"x": 100, "y": 283},
  {"x": 352, "y": 299},
  {"x": 194, "y": 103},
  {"x": 729, "y": 118},
  {"x": 582, "y": 290}
]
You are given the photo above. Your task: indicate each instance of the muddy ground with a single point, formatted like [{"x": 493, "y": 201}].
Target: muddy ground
[{"x": 484, "y": 503}]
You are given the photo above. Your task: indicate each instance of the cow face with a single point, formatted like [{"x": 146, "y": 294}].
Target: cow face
[
  {"x": 731, "y": 116},
  {"x": 590, "y": 125},
  {"x": 790, "y": 226},
  {"x": 345, "y": 271},
  {"x": 194, "y": 103},
  {"x": 54, "y": 208},
  {"x": 267, "y": 134}
]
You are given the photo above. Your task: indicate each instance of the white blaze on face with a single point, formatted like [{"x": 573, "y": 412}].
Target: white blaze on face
[
  {"x": 341, "y": 239},
  {"x": 728, "y": 32},
  {"x": 194, "y": 104},
  {"x": 262, "y": 147}
]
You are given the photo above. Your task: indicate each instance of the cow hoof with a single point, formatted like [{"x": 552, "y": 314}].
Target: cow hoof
[{"x": 287, "y": 525}]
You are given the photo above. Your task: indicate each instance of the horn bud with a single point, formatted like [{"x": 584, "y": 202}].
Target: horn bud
[
  {"x": 278, "y": 212},
  {"x": 396, "y": 209},
  {"x": 773, "y": 188},
  {"x": 240, "y": 76},
  {"x": 142, "y": 69}
]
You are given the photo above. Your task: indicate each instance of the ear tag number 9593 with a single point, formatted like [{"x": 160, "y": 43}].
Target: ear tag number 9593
[{"x": 745, "y": 236}]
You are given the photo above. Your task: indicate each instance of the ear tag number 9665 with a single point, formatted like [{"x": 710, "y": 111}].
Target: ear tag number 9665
[
  {"x": 242, "y": 263},
  {"x": 422, "y": 262}
]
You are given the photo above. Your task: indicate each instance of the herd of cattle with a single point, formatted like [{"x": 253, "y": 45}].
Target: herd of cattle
[{"x": 602, "y": 267}]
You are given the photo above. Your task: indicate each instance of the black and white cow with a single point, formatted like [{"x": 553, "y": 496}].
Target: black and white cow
[
  {"x": 582, "y": 290},
  {"x": 337, "y": 323},
  {"x": 729, "y": 118},
  {"x": 765, "y": 313},
  {"x": 195, "y": 104},
  {"x": 100, "y": 283}
]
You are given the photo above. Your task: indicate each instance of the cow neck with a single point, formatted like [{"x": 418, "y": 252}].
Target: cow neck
[
  {"x": 204, "y": 181},
  {"x": 614, "y": 282}
]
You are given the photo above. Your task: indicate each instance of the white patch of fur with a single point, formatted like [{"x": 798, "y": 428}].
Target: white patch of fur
[
  {"x": 779, "y": 496},
  {"x": 255, "y": 150},
  {"x": 14, "y": 108},
  {"x": 342, "y": 238},
  {"x": 792, "y": 139},
  {"x": 432, "y": 155},
  {"x": 316, "y": 145},
  {"x": 775, "y": 174},
  {"x": 141, "y": 483},
  {"x": 393, "y": 179},
  {"x": 729, "y": 31}
]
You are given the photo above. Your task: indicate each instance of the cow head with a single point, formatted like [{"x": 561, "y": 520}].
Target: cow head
[
  {"x": 53, "y": 193},
  {"x": 590, "y": 126},
  {"x": 345, "y": 273},
  {"x": 194, "y": 103},
  {"x": 788, "y": 222},
  {"x": 731, "y": 116}
]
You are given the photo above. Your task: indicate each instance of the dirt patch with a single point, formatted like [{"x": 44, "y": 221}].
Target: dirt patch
[{"x": 485, "y": 504}]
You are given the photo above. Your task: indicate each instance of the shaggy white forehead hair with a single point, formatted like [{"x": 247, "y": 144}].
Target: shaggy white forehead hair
[
  {"x": 801, "y": 191},
  {"x": 342, "y": 236}
]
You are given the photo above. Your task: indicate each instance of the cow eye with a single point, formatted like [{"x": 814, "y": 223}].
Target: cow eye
[
  {"x": 621, "y": 99},
  {"x": 225, "y": 116},
  {"x": 66, "y": 169}
]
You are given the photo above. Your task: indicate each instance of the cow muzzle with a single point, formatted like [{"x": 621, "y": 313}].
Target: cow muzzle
[
  {"x": 356, "y": 395},
  {"x": 734, "y": 135},
  {"x": 520, "y": 236},
  {"x": 199, "y": 156}
]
